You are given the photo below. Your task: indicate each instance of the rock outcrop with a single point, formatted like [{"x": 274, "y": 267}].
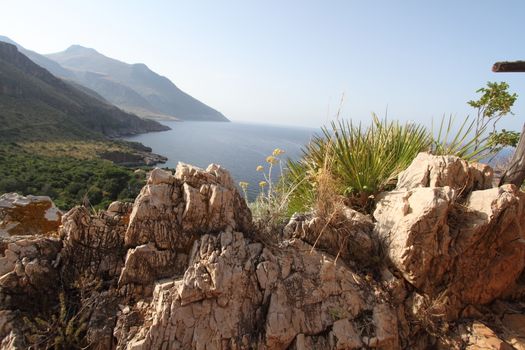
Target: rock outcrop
[
  {"x": 455, "y": 252},
  {"x": 27, "y": 215},
  {"x": 438, "y": 265}
]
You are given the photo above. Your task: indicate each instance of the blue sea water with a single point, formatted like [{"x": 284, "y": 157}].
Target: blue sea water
[{"x": 239, "y": 147}]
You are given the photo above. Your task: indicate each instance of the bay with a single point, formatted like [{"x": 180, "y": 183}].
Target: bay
[{"x": 238, "y": 147}]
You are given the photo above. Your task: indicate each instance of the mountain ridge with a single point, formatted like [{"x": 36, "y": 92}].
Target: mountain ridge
[
  {"x": 37, "y": 105},
  {"x": 121, "y": 82},
  {"x": 131, "y": 87}
]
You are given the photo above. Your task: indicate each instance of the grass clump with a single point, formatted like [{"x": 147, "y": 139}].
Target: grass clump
[{"x": 361, "y": 161}]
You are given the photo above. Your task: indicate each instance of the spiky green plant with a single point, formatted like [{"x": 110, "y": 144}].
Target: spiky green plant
[
  {"x": 362, "y": 160},
  {"x": 468, "y": 141}
]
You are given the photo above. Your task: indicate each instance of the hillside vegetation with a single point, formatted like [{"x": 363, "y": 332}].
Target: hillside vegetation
[{"x": 53, "y": 137}]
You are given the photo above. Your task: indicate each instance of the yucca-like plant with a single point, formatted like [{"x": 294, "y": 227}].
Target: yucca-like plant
[
  {"x": 468, "y": 142},
  {"x": 361, "y": 160}
]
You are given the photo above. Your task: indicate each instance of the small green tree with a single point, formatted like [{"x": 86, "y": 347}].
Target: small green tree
[{"x": 495, "y": 103}]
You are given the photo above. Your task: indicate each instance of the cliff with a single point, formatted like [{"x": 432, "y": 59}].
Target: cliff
[{"x": 438, "y": 265}]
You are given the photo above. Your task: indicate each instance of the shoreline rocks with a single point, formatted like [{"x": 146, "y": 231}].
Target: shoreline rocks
[{"x": 439, "y": 265}]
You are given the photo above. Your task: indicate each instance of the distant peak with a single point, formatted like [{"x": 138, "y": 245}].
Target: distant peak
[
  {"x": 140, "y": 66},
  {"x": 7, "y": 40},
  {"x": 80, "y": 49}
]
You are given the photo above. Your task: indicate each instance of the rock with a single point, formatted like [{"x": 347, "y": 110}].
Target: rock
[
  {"x": 28, "y": 215},
  {"x": 385, "y": 320},
  {"x": 348, "y": 234},
  {"x": 467, "y": 253},
  {"x": 428, "y": 170},
  {"x": 282, "y": 299},
  {"x": 413, "y": 226},
  {"x": 172, "y": 211},
  {"x": 145, "y": 264},
  {"x": 203, "y": 309},
  {"x": 28, "y": 273},
  {"x": 346, "y": 337},
  {"x": 94, "y": 244},
  {"x": 483, "y": 338},
  {"x": 182, "y": 268}
]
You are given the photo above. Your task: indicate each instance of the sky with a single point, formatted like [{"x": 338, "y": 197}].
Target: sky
[{"x": 293, "y": 62}]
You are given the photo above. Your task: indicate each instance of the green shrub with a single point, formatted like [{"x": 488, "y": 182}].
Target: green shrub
[
  {"x": 68, "y": 181},
  {"x": 362, "y": 161}
]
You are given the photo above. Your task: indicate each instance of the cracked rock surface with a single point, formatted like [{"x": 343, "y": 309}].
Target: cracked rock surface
[{"x": 438, "y": 265}]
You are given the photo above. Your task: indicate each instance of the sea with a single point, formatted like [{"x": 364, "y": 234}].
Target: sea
[{"x": 238, "y": 147}]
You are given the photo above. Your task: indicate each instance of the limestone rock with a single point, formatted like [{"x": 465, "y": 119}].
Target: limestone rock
[
  {"x": 171, "y": 211},
  {"x": 213, "y": 305},
  {"x": 94, "y": 244},
  {"x": 482, "y": 337},
  {"x": 28, "y": 272},
  {"x": 237, "y": 294},
  {"x": 346, "y": 337},
  {"x": 347, "y": 235},
  {"x": 144, "y": 264},
  {"x": 439, "y": 171},
  {"x": 27, "y": 215},
  {"x": 467, "y": 253}
]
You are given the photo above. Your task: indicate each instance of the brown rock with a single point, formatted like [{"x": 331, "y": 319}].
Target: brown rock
[
  {"x": 484, "y": 338},
  {"x": 468, "y": 254},
  {"x": 29, "y": 215}
]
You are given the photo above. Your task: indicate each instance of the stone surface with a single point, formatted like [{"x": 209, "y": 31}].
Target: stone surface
[
  {"x": 237, "y": 294},
  {"x": 467, "y": 253},
  {"x": 145, "y": 263},
  {"x": 348, "y": 234},
  {"x": 439, "y": 171},
  {"x": 172, "y": 210},
  {"x": 94, "y": 244},
  {"x": 482, "y": 337},
  {"x": 28, "y": 215},
  {"x": 183, "y": 268}
]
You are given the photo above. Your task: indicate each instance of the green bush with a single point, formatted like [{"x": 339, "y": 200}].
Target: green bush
[
  {"x": 361, "y": 161},
  {"x": 68, "y": 181}
]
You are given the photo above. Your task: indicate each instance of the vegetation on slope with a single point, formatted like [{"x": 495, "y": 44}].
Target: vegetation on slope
[
  {"x": 68, "y": 181},
  {"x": 34, "y": 104},
  {"x": 53, "y": 137}
]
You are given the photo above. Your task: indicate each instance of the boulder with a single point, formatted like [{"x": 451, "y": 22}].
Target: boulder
[
  {"x": 428, "y": 170},
  {"x": 457, "y": 251},
  {"x": 28, "y": 215}
]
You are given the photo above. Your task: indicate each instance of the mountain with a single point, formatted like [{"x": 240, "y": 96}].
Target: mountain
[
  {"x": 34, "y": 104},
  {"x": 132, "y": 87},
  {"x": 53, "y": 67}
]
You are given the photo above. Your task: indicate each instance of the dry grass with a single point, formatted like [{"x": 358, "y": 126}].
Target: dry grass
[{"x": 75, "y": 149}]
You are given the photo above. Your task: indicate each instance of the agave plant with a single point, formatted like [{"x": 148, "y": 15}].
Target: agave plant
[
  {"x": 468, "y": 142},
  {"x": 362, "y": 160}
]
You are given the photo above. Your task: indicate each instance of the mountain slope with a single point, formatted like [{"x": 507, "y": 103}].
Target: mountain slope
[
  {"x": 41, "y": 60},
  {"x": 34, "y": 104},
  {"x": 133, "y": 87}
]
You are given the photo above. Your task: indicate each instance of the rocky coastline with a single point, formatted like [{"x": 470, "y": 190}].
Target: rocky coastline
[{"x": 438, "y": 265}]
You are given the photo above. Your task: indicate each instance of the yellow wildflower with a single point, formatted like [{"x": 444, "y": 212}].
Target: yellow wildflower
[
  {"x": 259, "y": 168},
  {"x": 262, "y": 184},
  {"x": 271, "y": 159},
  {"x": 243, "y": 185},
  {"x": 277, "y": 152}
]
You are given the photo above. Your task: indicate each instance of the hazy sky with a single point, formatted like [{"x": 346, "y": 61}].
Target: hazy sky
[{"x": 289, "y": 62}]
